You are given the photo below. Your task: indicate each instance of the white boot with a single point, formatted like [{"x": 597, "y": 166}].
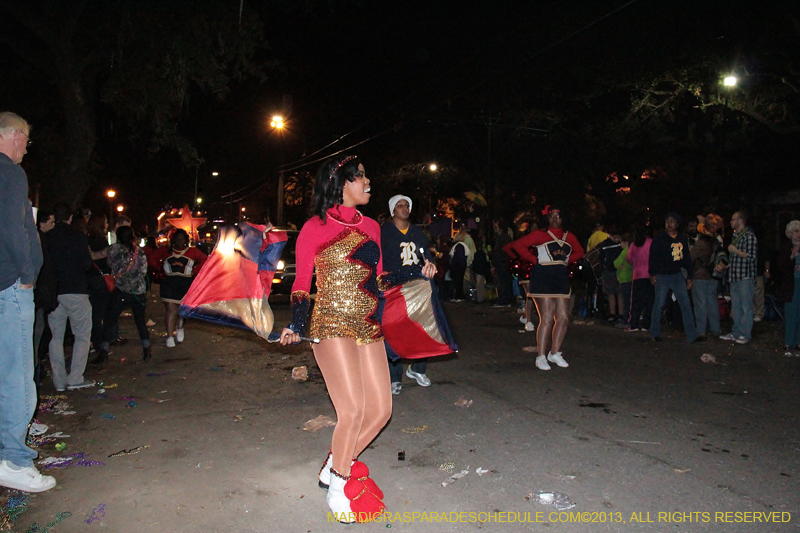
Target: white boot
[
  {"x": 325, "y": 472},
  {"x": 337, "y": 501}
]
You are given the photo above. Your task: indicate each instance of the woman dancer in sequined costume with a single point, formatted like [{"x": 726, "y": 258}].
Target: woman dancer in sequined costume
[
  {"x": 344, "y": 247},
  {"x": 550, "y": 250}
]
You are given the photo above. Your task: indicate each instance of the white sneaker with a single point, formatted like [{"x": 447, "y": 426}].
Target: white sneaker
[
  {"x": 541, "y": 363},
  {"x": 170, "y": 342},
  {"x": 422, "y": 379},
  {"x": 523, "y": 320},
  {"x": 529, "y": 326},
  {"x": 396, "y": 387},
  {"x": 557, "y": 359},
  {"x": 179, "y": 335},
  {"x": 728, "y": 337},
  {"x": 86, "y": 383},
  {"x": 25, "y": 479}
]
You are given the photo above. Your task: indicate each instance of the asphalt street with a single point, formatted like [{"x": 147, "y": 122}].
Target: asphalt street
[{"x": 640, "y": 436}]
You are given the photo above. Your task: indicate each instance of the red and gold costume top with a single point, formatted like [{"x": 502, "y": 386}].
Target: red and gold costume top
[{"x": 345, "y": 251}]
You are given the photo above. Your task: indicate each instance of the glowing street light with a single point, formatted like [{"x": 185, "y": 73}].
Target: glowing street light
[
  {"x": 433, "y": 167},
  {"x": 111, "y": 193},
  {"x": 729, "y": 81},
  {"x": 215, "y": 174},
  {"x": 277, "y": 124},
  {"x": 120, "y": 208},
  {"x": 199, "y": 201}
]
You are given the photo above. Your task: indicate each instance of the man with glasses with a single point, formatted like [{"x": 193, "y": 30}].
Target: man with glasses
[
  {"x": 741, "y": 275},
  {"x": 20, "y": 261}
]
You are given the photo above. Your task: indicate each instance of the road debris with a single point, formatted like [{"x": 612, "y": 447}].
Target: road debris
[
  {"x": 318, "y": 423},
  {"x": 455, "y": 477},
  {"x": 76, "y": 459},
  {"x": 559, "y": 500},
  {"x": 300, "y": 373},
  {"x": 415, "y": 430},
  {"x": 463, "y": 402},
  {"x": 98, "y": 513},
  {"x": 448, "y": 467},
  {"x": 132, "y": 451}
]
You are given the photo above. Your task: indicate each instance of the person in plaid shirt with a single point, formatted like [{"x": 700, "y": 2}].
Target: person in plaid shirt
[{"x": 741, "y": 276}]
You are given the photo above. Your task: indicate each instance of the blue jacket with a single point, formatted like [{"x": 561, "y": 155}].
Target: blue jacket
[{"x": 20, "y": 249}]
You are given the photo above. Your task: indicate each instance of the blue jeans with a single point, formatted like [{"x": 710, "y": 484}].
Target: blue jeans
[
  {"x": 676, "y": 283},
  {"x": 706, "y": 306},
  {"x": 17, "y": 390},
  {"x": 742, "y": 307}
]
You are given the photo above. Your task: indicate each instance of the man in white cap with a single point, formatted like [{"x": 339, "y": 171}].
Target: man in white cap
[{"x": 405, "y": 247}]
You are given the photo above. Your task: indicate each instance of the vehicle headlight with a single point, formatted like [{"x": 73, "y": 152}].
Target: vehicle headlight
[{"x": 281, "y": 264}]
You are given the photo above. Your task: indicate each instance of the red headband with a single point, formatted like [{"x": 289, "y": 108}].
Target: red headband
[
  {"x": 547, "y": 210},
  {"x": 340, "y": 165}
]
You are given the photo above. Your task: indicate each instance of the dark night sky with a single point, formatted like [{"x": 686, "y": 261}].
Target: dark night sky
[{"x": 396, "y": 70}]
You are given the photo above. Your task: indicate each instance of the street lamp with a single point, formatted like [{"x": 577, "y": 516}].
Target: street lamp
[
  {"x": 110, "y": 194},
  {"x": 729, "y": 81},
  {"x": 120, "y": 208},
  {"x": 278, "y": 124},
  {"x": 433, "y": 167}
]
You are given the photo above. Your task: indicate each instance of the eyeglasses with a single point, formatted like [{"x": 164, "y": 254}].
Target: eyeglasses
[{"x": 29, "y": 142}]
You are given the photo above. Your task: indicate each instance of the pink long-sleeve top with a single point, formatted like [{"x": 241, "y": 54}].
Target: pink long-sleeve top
[{"x": 639, "y": 257}]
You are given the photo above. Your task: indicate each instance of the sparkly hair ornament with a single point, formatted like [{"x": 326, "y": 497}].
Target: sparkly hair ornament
[{"x": 339, "y": 165}]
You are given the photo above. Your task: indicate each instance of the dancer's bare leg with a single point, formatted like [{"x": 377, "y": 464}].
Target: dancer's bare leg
[
  {"x": 377, "y": 392},
  {"x": 340, "y": 363},
  {"x": 562, "y": 323},
  {"x": 546, "y": 308}
]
